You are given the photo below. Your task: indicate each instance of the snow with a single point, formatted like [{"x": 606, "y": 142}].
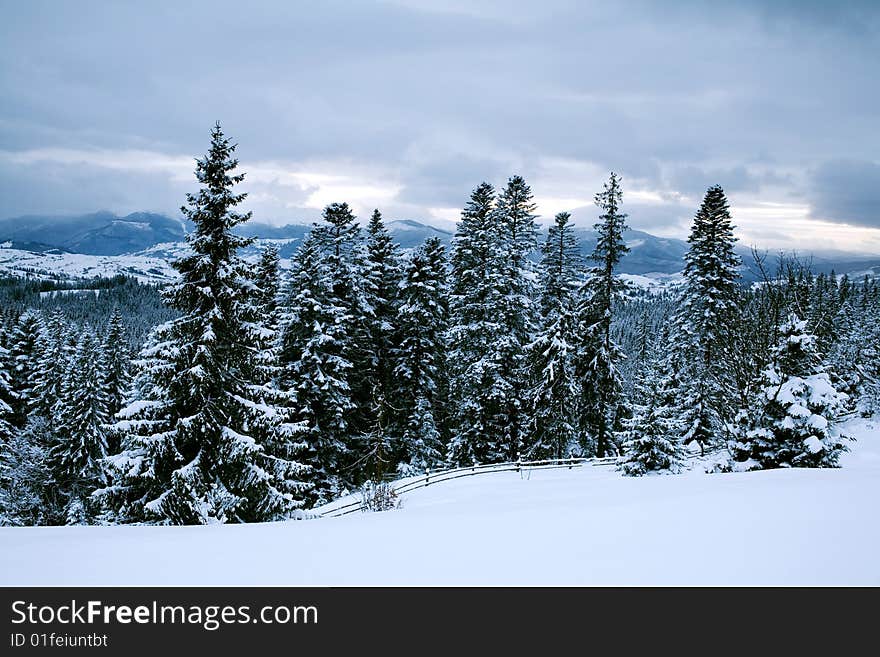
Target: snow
[
  {"x": 16, "y": 262},
  {"x": 550, "y": 527},
  {"x": 814, "y": 445}
]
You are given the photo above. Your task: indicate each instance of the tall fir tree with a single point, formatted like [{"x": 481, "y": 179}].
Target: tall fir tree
[
  {"x": 316, "y": 368},
  {"x": 23, "y": 355},
  {"x": 555, "y": 392},
  {"x": 598, "y": 355},
  {"x": 421, "y": 319},
  {"x": 272, "y": 414},
  {"x": 344, "y": 256},
  {"x": 383, "y": 280},
  {"x": 80, "y": 448},
  {"x": 116, "y": 367},
  {"x": 474, "y": 330},
  {"x": 706, "y": 322},
  {"x": 517, "y": 240},
  {"x": 188, "y": 454},
  {"x": 53, "y": 349}
]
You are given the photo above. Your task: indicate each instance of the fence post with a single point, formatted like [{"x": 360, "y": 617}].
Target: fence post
[
  {"x": 518, "y": 462},
  {"x": 570, "y": 461},
  {"x": 474, "y": 466},
  {"x": 427, "y": 476}
]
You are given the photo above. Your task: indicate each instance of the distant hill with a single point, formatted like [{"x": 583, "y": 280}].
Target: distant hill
[
  {"x": 159, "y": 236},
  {"x": 99, "y": 233}
]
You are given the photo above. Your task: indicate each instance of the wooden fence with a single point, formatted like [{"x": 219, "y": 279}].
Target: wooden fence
[{"x": 333, "y": 510}]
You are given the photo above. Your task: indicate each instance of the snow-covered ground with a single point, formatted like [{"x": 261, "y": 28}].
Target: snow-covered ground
[
  {"x": 557, "y": 527},
  {"x": 16, "y": 262}
]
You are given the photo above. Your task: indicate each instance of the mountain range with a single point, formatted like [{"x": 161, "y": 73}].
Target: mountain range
[{"x": 158, "y": 236}]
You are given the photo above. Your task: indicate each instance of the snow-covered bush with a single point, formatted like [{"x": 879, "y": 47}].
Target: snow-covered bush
[
  {"x": 791, "y": 421},
  {"x": 379, "y": 496}
]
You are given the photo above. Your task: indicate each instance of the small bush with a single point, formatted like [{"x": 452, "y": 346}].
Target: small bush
[{"x": 379, "y": 496}]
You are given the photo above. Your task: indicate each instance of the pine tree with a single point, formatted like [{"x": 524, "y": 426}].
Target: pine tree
[
  {"x": 28, "y": 495},
  {"x": 81, "y": 445},
  {"x": 344, "y": 259},
  {"x": 115, "y": 365},
  {"x": 598, "y": 355},
  {"x": 8, "y": 398},
  {"x": 706, "y": 319},
  {"x": 188, "y": 453},
  {"x": 53, "y": 351},
  {"x": 383, "y": 280},
  {"x": 792, "y": 419},
  {"x": 517, "y": 234},
  {"x": 555, "y": 389},
  {"x": 270, "y": 410},
  {"x": 421, "y": 318},
  {"x": 474, "y": 331},
  {"x": 316, "y": 369},
  {"x": 23, "y": 354},
  {"x": 651, "y": 436}
]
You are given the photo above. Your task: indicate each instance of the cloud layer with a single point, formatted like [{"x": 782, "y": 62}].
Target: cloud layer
[{"x": 410, "y": 104}]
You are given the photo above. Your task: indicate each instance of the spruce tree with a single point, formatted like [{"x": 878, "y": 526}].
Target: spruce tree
[
  {"x": 383, "y": 280},
  {"x": 475, "y": 329},
  {"x": 81, "y": 414},
  {"x": 116, "y": 367},
  {"x": 270, "y": 410},
  {"x": 53, "y": 353},
  {"x": 421, "y": 319},
  {"x": 517, "y": 240},
  {"x": 706, "y": 321},
  {"x": 188, "y": 454},
  {"x": 28, "y": 493},
  {"x": 792, "y": 421},
  {"x": 598, "y": 355},
  {"x": 23, "y": 354},
  {"x": 651, "y": 436},
  {"x": 344, "y": 259},
  {"x": 555, "y": 391},
  {"x": 316, "y": 368}
]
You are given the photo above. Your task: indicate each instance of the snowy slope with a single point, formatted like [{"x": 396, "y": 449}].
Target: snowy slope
[
  {"x": 556, "y": 527},
  {"x": 147, "y": 269}
]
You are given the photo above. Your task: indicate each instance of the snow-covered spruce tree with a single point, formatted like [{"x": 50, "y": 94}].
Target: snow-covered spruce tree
[
  {"x": 517, "y": 240},
  {"x": 475, "y": 328},
  {"x": 705, "y": 321},
  {"x": 555, "y": 391},
  {"x": 316, "y": 369},
  {"x": 24, "y": 342},
  {"x": 344, "y": 258},
  {"x": 421, "y": 320},
  {"x": 28, "y": 495},
  {"x": 53, "y": 351},
  {"x": 188, "y": 454},
  {"x": 651, "y": 436},
  {"x": 854, "y": 357},
  {"x": 7, "y": 399},
  {"x": 383, "y": 278},
  {"x": 116, "y": 368},
  {"x": 271, "y": 409},
  {"x": 81, "y": 412},
  {"x": 791, "y": 421},
  {"x": 598, "y": 355}
]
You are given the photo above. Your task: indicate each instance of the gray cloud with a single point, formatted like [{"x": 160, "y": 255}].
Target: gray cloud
[
  {"x": 438, "y": 95},
  {"x": 846, "y": 191}
]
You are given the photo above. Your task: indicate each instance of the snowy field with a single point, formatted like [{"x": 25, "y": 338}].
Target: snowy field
[
  {"x": 14, "y": 262},
  {"x": 558, "y": 527}
]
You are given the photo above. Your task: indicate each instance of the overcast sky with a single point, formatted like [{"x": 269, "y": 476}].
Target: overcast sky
[{"x": 407, "y": 105}]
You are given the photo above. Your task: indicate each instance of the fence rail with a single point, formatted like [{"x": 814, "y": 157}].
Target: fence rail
[{"x": 430, "y": 478}]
